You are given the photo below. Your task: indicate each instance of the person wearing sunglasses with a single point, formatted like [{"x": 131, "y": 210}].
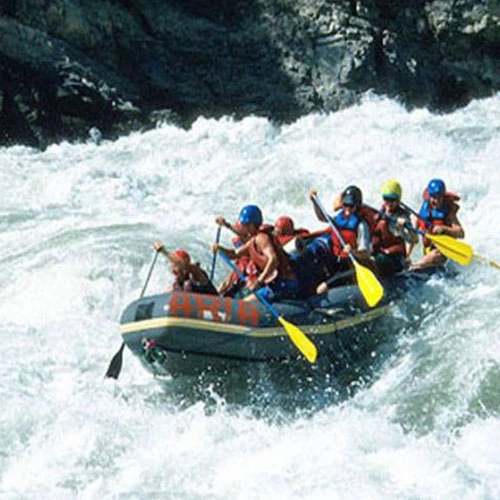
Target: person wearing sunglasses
[
  {"x": 438, "y": 215},
  {"x": 391, "y": 237},
  {"x": 355, "y": 232}
]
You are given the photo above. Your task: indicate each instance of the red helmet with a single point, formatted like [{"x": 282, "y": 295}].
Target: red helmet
[
  {"x": 284, "y": 225},
  {"x": 182, "y": 255}
]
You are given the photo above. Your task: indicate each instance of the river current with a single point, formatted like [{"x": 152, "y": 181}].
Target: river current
[{"x": 77, "y": 225}]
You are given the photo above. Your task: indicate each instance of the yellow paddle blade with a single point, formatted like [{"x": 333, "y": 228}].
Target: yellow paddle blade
[
  {"x": 482, "y": 258},
  {"x": 368, "y": 283},
  {"x": 298, "y": 337},
  {"x": 454, "y": 249}
]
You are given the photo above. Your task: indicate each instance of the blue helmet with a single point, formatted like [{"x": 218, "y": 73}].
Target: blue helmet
[
  {"x": 250, "y": 214},
  {"x": 436, "y": 187}
]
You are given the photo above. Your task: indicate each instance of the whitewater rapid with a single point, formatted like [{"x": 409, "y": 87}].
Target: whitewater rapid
[{"x": 77, "y": 225}]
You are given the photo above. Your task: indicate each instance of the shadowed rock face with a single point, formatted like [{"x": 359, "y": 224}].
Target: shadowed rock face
[{"x": 68, "y": 65}]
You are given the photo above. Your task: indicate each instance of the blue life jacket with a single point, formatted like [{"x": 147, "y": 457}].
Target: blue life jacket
[
  {"x": 432, "y": 214},
  {"x": 348, "y": 228},
  {"x": 349, "y": 223}
]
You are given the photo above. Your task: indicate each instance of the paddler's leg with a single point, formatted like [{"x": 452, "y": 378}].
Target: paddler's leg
[
  {"x": 341, "y": 265},
  {"x": 433, "y": 258}
]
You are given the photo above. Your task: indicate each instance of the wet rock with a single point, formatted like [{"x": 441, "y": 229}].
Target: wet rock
[{"x": 67, "y": 66}]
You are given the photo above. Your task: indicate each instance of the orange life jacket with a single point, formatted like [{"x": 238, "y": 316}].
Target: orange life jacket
[{"x": 260, "y": 260}]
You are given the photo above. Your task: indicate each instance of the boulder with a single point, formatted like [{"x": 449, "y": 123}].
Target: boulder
[{"x": 117, "y": 65}]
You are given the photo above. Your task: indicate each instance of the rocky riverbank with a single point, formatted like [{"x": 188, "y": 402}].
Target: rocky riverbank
[{"x": 119, "y": 65}]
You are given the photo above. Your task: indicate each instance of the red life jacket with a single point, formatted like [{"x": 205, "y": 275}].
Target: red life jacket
[
  {"x": 260, "y": 260},
  {"x": 384, "y": 239}
]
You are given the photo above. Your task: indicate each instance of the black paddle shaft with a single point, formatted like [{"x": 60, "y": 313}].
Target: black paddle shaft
[{"x": 115, "y": 366}]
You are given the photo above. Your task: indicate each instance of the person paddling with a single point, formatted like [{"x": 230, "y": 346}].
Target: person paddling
[
  {"x": 241, "y": 235},
  {"x": 390, "y": 234},
  {"x": 276, "y": 279},
  {"x": 353, "y": 228},
  {"x": 189, "y": 277},
  {"x": 232, "y": 285},
  {"x": 438, "y": 215},
  {"x": 367, "y": 213}
]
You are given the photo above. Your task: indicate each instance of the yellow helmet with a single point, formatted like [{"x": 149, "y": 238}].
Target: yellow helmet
[{"x": 391, "y": 189}]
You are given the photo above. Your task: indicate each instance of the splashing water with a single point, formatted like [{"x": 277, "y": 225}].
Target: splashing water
[{"x": 77, "y": 224}]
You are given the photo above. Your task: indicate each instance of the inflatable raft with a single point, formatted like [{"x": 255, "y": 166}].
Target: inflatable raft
[{"x": 177, "y": 332}]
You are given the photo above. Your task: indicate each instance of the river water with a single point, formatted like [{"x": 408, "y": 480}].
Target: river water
[{"x": 77, "y": 224}]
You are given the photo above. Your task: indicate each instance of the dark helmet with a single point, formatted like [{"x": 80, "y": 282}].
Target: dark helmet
[
  {"x": 436, "y": 187},
  {"x": 284, "y": 224},
  {"x": 250, "y": 214},
  {"x": 352, "y": 196}
]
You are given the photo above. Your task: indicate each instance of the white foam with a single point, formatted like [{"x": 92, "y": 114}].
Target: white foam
[{"x": 77, "y": 224}]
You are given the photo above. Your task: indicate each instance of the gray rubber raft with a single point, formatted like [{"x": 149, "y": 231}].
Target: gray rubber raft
[{"x": 187, "y": 333}]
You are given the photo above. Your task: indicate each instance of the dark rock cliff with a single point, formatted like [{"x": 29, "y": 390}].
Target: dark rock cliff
[{"x": 68, "y": 65}]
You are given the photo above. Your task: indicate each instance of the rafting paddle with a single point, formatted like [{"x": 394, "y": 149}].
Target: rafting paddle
[
  {"x": 482, "y": 258},
  {"x": 297, "y": 336},
  {"x": 214, "y": 258},
  {"x": 450, "y": 247},
  {"x": 368, "y": 283},
  {"x": 115, "y": 366}
]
